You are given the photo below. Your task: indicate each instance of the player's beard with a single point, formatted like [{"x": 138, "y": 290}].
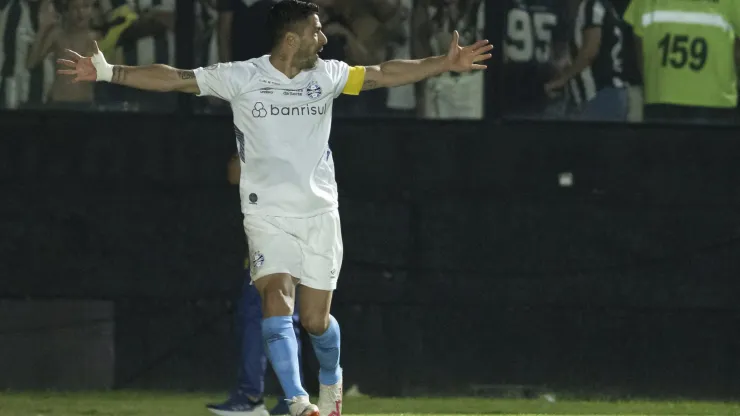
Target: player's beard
[{"x": 310, "y": 58}]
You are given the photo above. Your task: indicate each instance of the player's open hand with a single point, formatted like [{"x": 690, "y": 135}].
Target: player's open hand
[
  {"x": 81, "y": 67},
  {"x": 468, "y": 58}
]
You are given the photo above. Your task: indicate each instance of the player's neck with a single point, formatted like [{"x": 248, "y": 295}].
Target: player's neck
[{"x": 285, "y": 64}]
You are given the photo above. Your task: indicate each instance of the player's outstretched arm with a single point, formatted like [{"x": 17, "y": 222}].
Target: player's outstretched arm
[
  {"x": 160, "y": 78},
  {"x": 402, "y": 72}
]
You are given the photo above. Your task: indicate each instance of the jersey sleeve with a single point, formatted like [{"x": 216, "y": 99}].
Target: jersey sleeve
[
  {"x": 345, "y": 79},
  {"x": 633, "y": 17},
  {"x": 595, "y": 12},
  {"x": 225, "y": 80}
]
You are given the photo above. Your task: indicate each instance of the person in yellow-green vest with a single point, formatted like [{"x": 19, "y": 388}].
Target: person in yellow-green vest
[{"x": 686, "y": 49}]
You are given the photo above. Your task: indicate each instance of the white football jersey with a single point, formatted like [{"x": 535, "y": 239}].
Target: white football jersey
[{"x": 282, "y": 128}]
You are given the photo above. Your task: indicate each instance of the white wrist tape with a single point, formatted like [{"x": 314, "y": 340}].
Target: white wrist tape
[{"x": 104, "y": 69}]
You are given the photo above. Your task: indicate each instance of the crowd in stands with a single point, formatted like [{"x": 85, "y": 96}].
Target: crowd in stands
[{"x": 605, "y": 60}]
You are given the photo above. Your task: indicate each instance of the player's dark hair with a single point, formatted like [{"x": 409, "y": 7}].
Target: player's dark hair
[{"x": 285, "y": 15}]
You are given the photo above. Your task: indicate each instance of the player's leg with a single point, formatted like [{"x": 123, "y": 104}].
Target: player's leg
[
  {"x": 276, "y": 256},
  {"x": 322, "y": 265},
  {"x": 325, "y": 335},
  {"x": 281, "y": 408},
  {"x": 278, "y": 294},
  {"x": 248, "y": 398}
]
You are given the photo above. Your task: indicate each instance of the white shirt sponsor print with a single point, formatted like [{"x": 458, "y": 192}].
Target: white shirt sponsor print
[{"x": 261, "y": 111}]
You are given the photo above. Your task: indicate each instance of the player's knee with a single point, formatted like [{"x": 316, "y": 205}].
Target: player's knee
[
  {"x": 315, "y": 324},
  {"x": 277, "y": 296},
  {"x": 277, "y": 303}
]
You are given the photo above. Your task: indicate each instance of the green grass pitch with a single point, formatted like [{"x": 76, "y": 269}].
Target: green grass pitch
[{"x": 128, "y": 403}]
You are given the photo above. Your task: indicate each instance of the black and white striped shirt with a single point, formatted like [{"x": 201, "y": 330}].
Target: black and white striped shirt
[
  {"x": 607, "y": 69},
  {"x": 18, "y": 28}
]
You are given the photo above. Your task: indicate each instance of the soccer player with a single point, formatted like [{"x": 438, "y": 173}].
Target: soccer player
[
  {"x": 282, "y": 105},
  {"x": 686, "y": 50}
]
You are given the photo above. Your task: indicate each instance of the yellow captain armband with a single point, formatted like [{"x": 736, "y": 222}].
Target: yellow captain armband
[
  {"x": 246, "y": 263},
  {"x": 355, "y": 80}
]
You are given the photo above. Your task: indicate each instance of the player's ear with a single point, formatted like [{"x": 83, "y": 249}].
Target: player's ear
[{"x": 292, "y": 39}]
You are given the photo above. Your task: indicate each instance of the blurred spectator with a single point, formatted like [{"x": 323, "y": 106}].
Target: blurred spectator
[
  {"x": 687, "y": 51},
  {"x": 242, "y": 25},
  {"x": 207, "y": 51},
  {"x": 72, "y": 30},
  {"x": 207, "y": 33},
  {"x": 535, "y": 51},
  {"x": 19, "y": 24},
  {"x": 594, "y": 76},
  {"x": 450, "y": 95},
  {"x": 237, "y": 33},
  {"x": 401, "y": 100},
  {"x": 147, "y": 39},
  {"x": 359, "y": 32},
  {"x": 115, "y": 20},
  {"x": 362, "y": 26},
  {"x": 631, "y": 73}
]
